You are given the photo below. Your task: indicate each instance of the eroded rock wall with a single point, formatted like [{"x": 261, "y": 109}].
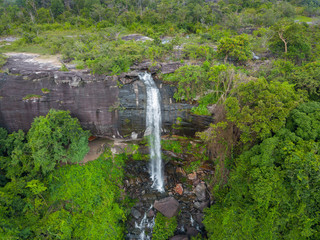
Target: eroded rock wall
[{"x": 106, "y": 105}]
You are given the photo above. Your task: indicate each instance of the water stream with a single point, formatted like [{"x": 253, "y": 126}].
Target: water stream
[{"x": 153, "y": 130}]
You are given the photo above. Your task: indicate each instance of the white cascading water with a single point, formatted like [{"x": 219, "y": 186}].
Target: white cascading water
[
  {"x": 145, "y": 224},
  {"x": 153, "y": 130}
]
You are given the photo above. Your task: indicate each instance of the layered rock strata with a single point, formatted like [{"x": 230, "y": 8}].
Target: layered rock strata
[{"x": 112, "y": 106}]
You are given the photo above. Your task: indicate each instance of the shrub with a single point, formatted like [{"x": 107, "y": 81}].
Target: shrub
[{"x": 164, "y": 227}]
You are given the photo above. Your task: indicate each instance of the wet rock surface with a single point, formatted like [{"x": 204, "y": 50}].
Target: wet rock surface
[
  {"x": 168, "y": 206},
  {"x": 189, "y": 205},
  {"x": 112, "y": 106}
]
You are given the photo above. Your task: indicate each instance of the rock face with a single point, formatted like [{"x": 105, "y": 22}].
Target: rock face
[
  {"x": 169, "y": 206},
  {"x": 111, "y": 106}
]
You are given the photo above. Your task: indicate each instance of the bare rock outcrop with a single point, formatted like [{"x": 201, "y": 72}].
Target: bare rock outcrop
[
  {"x": 113, "y": 106},
  {"x": 169, "y": 206}
]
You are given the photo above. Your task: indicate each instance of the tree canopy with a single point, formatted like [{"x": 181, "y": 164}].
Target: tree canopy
[
  {"x": 273, "y": 191},
  {"x": 56, "y": 138}
]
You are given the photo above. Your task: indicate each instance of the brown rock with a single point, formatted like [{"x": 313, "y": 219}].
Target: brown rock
[
  {"x": 192, "y": 176},
  {"x": 150, "y": 214},
  {"x": 170, "y": 67},
  {"x": 181, "y": 171},
  {"x": 192, "y": 231},
  {"x": 169, "y": 206},
  {"x": 179, "y": 189}
]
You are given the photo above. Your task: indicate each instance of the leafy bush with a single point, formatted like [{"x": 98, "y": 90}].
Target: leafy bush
[
  {"x": 45, "y": 90},
  {"x": 199, "y": 52},
  {"x": 238, "y": 48},
  {"x": 164, "y": 227},
  {"x": 56, "y": 138},
  {"x": 172, "y": 145},
  {"x": 206, "y": 84},
  {"x": 191, "y": 81}
]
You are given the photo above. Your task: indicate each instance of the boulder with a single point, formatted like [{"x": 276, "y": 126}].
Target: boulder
[
  {"x": 201, "y": 205},
  {"x": 192, "y": 231},
  {"x": 135, "y": 213},
  {"x": 169, "y": 206},
  {"x": 170, "y": 67},
  {"x": 201, "y": 191}
]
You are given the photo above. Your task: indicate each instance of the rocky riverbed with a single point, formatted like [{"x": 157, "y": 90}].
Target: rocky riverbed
[{"x": 186, "y": 196}]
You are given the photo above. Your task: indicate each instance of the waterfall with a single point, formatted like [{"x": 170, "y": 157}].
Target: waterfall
[{"x": 153, "y": 130}]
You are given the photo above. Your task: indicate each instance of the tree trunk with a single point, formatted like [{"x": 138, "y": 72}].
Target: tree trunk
[
  {"x": 284, "y": 41},
  {"x": 225, "y": 59}
]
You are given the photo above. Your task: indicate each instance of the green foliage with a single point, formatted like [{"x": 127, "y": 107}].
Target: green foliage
[
  {"x": 198, "y": 52},
  {"x": 288, "y": 41},
  {"x": 43, "y": 15},
  {"x": 19, "y": 162},
  {"x": 304, "y": 121},
  {"x": 238, "y": 48},
  {"x": 3, "y": 60},
  {"x": 172, "y": 145},
  {"x": 307, "y": 78},
  {"x": 191, "y": 81},
  {"x": 32, "y": 97},
  {"x": 56, "y": 138},
  {"x": 193, "y": 166},
  {"x": 280, "y": 71},
  {"x": 72, "y": 202},
  {"x": 259, "y": 109},
  {"x": 3, "y": 140},
  {"x": 64, "y": 68},
  {"x": 273, "y": 191},
  {"x": 202, "y": 109},
  {"x": 57, "y": 7},
  {"x": 90, "y": 194},
  {"x": 206, "y": 82},
  {"x": 45, "y": 90},
  {"x": 164, "y": 227}
]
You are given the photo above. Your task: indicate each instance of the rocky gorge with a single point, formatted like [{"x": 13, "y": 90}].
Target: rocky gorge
[{"x": 115, "y": 107}]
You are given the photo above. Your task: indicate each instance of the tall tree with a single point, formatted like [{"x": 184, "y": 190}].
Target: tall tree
[{"x": 56, "y": 138}]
